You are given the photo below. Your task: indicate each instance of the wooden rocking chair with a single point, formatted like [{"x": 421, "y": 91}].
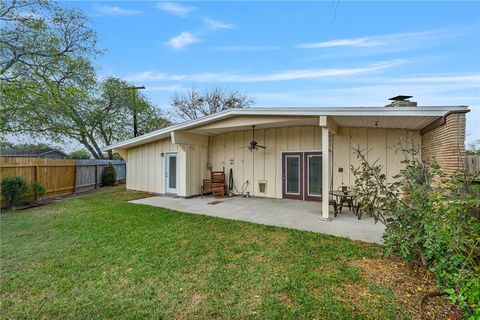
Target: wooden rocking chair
[{"x": 216, "y": 184}]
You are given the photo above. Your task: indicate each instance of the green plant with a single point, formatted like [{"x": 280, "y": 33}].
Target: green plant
[
  {"x": 80, "y": 154},
  {"x": 13, "y": 189},
  {"x": 430, "y": 218},
  {"x": 36, "y": 190},
  {"x": 109, "y": 177}
]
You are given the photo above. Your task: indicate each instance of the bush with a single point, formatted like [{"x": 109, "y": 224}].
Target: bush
[
  {"x": 80, "y": 154},
  {"x": 109, "y": 176},
  {"x": 13, "y": 189},
  {"x": 430, "y": 219},
  {"x": 36, "y": 190}
]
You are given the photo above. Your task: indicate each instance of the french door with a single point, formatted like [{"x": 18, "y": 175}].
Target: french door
[
  {"x": 171, "y": 165},
  {"x": 302, "y": 175}
]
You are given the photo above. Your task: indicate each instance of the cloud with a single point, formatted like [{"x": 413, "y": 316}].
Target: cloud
[
  {"x": 244, "y": 48},
  {"x": 217, "y": 24},
  {"x": 173, "y": 87},
  {"x": 395, "y": 41},
  {"x": 466, "y": 79},
  {"x": 288, "y": 75},
  {"x": 117, "y": 11},
  {"x": 359, "y": 42},
  {"x": 174, "y": 8},
  {"x": 182, "y": 40},
  {"x": 434, "y": 89},
  {"x": 428, "y": 90}
]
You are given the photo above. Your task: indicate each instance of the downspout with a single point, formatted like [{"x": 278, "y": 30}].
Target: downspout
[
  {"x": 458, "y": 142},
  {"x": 209, "y": 150},
  {"x": 331, "y": 162}
]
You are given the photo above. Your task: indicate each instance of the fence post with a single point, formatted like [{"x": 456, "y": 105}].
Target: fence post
[
  {"x": 37, "y": 178},
  {"x": 96, "y": 176},
  {"x": 75, "y": 178}
]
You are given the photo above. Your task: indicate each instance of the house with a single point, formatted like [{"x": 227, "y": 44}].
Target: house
[
  {"x": 37, "y": 153},
  {"x": 308, "y": 151}
]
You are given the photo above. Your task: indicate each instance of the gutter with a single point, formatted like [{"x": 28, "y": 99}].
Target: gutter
[
  {"x": 440, "y": 121},
  {"x": 338, "y": 111}
]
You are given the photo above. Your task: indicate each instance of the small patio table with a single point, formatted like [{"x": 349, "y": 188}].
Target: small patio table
[{"x": 346, "y": 197}]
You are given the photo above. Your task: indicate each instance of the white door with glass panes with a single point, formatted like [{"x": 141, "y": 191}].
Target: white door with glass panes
[{"x": 171, "y": 172}]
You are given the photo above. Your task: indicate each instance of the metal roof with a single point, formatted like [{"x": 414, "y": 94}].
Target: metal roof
[{"x": 421, "y": 111}]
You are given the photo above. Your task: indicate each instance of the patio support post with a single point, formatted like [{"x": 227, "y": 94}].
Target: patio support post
[{"x": 325, "y": 174}]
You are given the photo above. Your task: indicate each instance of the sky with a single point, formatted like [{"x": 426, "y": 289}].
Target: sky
[{"x": 296, "y": 54}]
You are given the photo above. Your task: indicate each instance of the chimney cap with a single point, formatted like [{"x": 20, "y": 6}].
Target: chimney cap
[{"x": 400, "y": 98}]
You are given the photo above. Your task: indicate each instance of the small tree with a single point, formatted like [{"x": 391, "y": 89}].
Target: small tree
[
  {"x": 194, "y": 104},
  {"x": 430, "y": 218},
  {"x": 13, "y": 189},
  {"x": 474, "y": 148},
  {"x": 109, "y": 177}
]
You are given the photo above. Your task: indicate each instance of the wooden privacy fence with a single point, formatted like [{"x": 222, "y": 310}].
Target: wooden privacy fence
[
  {"x": 60, "y": 177},
  {"x": 89, "y": 173},
  {"x": 472, "y": 164},
  {"x": 57, "y": 176}
]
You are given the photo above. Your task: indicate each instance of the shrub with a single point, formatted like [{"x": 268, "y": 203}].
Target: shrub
[
  {"x": 430, "y": 219},
  {"x": 13, "y": 189},
  {"x": 80, "y": 154},
  {"x": 109, "y": 176},
  {"x": 36, "y": 190}
]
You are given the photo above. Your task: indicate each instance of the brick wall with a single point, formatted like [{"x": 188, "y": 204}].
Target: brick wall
[{"x": 446, "y": 143}]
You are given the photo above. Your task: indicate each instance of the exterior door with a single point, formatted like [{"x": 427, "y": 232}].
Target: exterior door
[
  {"x": 171, "y": 165},
  {"x": 302, "y": 175},
  {"x": 292, "y": 175},
  {"x": 313, "y": 176}
]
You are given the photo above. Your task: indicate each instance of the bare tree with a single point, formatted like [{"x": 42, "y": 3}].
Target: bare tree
[{"x": 194, "y": 104}]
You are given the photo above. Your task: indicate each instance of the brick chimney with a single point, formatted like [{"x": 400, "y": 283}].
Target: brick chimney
[{"x": 401, "y": 101}]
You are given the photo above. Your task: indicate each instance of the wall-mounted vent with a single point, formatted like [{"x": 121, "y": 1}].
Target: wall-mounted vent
[
  {"x": 401, "y": 101},
  {"x": 262, "y": 185}
]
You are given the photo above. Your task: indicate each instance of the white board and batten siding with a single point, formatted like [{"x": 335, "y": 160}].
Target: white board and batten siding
[
  {"x": 146, "y": 165},
  {"x": 229, "y": 151},
  {"x": 380, "y": 144}
]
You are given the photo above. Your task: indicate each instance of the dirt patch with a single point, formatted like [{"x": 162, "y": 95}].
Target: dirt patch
[
  {"x": 287, "y": 299},
  {"x": 408, "y": 283},
  {"x": 195, "y": 300}
]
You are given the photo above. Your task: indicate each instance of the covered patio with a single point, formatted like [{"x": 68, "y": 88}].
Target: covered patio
[{"x": 293, "y": 214}]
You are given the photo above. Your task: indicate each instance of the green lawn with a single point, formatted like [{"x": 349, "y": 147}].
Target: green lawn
[{"x": 97, "y": 256}]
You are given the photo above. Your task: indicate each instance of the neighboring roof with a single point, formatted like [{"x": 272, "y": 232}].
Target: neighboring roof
[
  {"x": 438, "y": 111},
  {"x": 12, "y": 152}
]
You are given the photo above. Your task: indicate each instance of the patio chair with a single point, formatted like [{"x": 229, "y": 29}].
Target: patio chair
[
  {"x": 206, "y": 187},
  {"x": 348, "y": 201},
  {"x": 216, "y": 184},
  {"x": 333, "y": 202}
]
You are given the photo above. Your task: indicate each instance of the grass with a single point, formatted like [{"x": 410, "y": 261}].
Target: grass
[{"x": 97, "y": 256}]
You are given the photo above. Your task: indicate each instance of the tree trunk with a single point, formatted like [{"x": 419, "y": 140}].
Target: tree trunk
[
  {"x": 90, "y": 149},
  {"x": 95, "y": 146}
]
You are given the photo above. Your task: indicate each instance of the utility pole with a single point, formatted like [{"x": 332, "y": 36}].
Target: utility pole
[{"x": 134, "y": 109}]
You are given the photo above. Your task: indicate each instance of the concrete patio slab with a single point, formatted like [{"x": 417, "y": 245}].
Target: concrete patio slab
[{"x": 294, "y": 214}]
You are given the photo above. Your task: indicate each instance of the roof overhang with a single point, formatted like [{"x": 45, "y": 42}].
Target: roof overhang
[{"x": 405, "y": 117}]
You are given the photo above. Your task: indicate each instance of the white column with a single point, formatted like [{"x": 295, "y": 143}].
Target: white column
[{"x": 325, "y": 174}]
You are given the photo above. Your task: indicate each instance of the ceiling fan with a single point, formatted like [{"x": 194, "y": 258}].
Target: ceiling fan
[{"x": 254, "y": 144}]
